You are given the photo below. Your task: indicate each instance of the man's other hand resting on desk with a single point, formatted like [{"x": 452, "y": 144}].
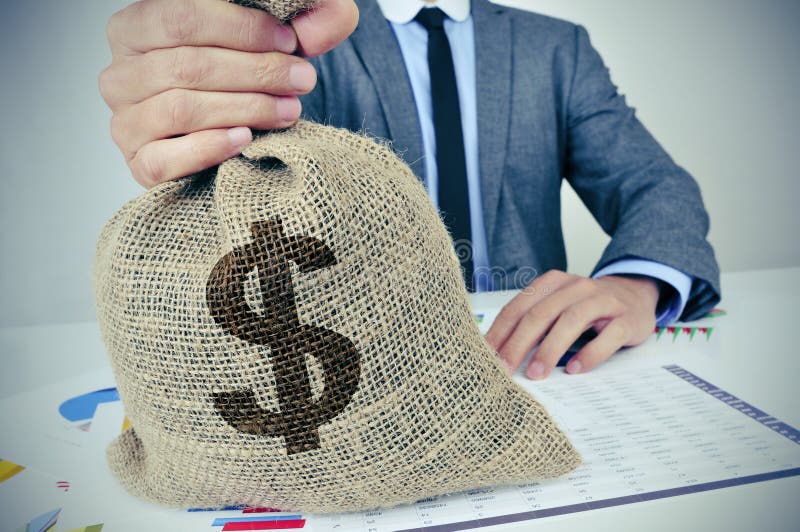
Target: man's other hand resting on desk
[{"x": 555, "y": 309}]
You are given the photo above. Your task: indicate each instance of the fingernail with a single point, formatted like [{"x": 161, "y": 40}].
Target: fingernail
[
  {"x": 302, "y": 76},
  {"x": 239, "y": 136},
  {"x": 574, "y": 366},
  {"x": 288, "y": 109},
  {"x": 535, "y": 370},
  {"x": 285, "y": 39}
]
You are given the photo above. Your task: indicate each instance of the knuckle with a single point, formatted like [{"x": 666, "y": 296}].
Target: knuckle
[
  {"x": 179, "y": 20},
  {"x": 620, "y": 333},
  {"x": 585, "y": 284},
  {"x": 252, "y": 27},
  {"x": 615, "y": 304},
  {"x": 116, "y": 22},
  {"x": 205, "y": 152},
  {"x": 608, "y": 304},
  {"x": 272, "y": 71},
  {"x": 118, "y": 128},
  {"x": 573, "y": 316},
  {"x": 536, "y": 315},
  {"x": 147, "y": 170},
  {"x": 262, "y": 109},
  {"x": 553, "y": 275},
  {"x": 504, "y": 315},
  {"x": 548, "y": 356},
  {"x": 188, "y": 67},
  {"x": 642, "y": 330},
  {"x": 106, "y": 82},
  {"x": 118, "y": 28},
  {"x": 514, "y": 349},
  {"x": 179, "y": 110},
  {"x": 589, "y": 352},
  {"x": 594, "y": 354},
  {"x": 113, "y": 27}
]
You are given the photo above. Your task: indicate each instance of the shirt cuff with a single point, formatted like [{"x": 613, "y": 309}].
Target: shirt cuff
[{"x": 670, "y": 310}]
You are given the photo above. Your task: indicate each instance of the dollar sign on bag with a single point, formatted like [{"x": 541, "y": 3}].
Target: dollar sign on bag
[{"x": 289, "y": 341}]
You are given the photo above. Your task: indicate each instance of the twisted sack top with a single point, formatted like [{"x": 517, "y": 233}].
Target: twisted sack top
[{"x": 280, "y": 9}]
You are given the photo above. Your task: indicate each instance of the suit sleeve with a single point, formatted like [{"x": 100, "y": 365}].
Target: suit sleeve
[{"x": 650, "y": 206}]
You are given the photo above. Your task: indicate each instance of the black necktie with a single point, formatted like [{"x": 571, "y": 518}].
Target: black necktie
[{"x": 450, "y": 162}]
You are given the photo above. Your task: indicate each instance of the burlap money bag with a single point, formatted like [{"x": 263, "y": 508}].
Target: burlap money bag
[{"x": 294, "y": 332}]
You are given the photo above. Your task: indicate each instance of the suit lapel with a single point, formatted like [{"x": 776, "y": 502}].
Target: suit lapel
[
  {"x": 377, "y": 47},
  {"x": 493, "y": 43}
]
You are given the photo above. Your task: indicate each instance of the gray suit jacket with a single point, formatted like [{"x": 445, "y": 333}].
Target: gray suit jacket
[{"x": 547, "y": 111}]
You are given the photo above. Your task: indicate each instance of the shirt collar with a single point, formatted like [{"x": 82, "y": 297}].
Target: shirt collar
[{"x": 403, "y": 11}]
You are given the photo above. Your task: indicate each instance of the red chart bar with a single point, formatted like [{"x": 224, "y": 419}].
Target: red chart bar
[{"x": 264, "y": 525}]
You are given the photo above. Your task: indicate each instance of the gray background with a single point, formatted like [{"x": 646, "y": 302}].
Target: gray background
[{"x": 714, "y": 80}]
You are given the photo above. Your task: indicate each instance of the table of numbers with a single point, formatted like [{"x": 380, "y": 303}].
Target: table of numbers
[{"x": 643, "y": 434}]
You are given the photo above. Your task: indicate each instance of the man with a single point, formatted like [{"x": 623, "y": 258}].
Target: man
[{"x": 535, "y": 105}]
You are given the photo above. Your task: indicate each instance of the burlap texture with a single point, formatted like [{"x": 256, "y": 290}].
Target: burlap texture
[
  {"x": 431, "y": 410},
  {"x": 280, "y": 9}
]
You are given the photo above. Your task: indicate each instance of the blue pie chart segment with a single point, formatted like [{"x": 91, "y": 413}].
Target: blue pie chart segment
[{"x": 84, "y": 406}]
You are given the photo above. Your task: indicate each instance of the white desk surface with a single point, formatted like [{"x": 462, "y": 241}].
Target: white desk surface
[{"x": 753, "y": 357}]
